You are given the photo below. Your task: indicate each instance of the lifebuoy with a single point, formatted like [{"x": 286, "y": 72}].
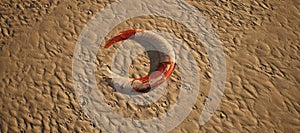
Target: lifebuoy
[{"x": 162, "y": 72}]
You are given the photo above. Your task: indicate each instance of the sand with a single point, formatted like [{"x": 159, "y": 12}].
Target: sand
[{"x": 260, "y": 40}]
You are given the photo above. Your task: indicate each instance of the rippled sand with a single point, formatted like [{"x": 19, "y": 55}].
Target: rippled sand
[{"x": 260, "y": 39}]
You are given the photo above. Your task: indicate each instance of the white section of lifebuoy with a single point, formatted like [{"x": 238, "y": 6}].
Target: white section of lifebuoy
[{"x": 158, "y": 42}]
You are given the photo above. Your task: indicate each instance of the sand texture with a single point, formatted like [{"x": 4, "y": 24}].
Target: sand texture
[{"x": 260, "y": 39}]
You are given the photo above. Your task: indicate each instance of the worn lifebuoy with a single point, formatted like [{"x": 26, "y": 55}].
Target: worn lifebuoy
[{"x": 161, "y": 73}]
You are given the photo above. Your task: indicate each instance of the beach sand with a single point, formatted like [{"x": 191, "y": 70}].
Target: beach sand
[{"x": 260, "y": 39}]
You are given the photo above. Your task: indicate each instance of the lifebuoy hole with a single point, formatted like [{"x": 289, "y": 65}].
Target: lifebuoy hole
[{"x": 144, "y": 64}]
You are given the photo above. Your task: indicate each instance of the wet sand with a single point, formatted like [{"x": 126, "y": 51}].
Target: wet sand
[{"x": 260, "y": 40}]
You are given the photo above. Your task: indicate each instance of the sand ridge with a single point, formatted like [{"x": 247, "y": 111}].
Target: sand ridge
[{"x": 260, "y": 39}]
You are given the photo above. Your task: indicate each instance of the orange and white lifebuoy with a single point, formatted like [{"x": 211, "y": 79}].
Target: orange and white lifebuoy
[{"x": 161, "y": 73}]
